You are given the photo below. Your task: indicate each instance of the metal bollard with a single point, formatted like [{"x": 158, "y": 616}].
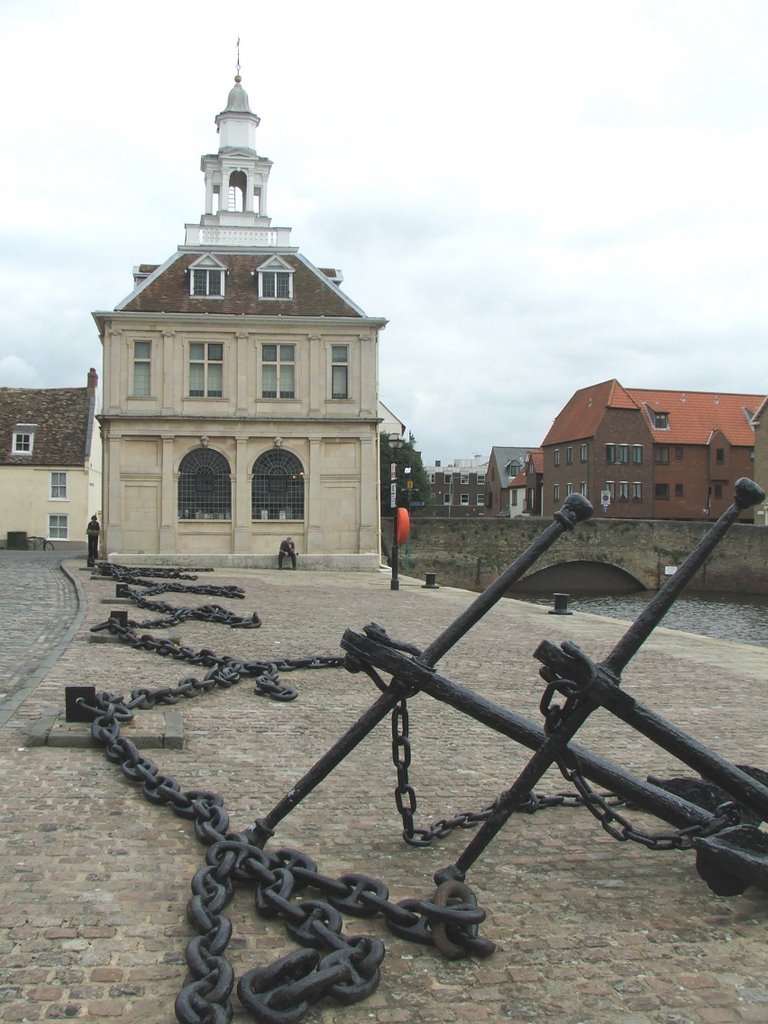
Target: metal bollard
[
  {"x": 73, "y": 695},
  {"x": 431, "y": 581},
  {"x": 561, "y": 605}
]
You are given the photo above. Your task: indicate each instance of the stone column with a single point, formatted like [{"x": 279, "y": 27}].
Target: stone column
[
  {"x": 370, "y": 510},
  {"x": 113, "y": 513},
  {"x": 312, "y": 499},
  {"x": 168, "y": 374},
  {"x": 168, "y": 498},
  {"x": 241, "y": 508}
]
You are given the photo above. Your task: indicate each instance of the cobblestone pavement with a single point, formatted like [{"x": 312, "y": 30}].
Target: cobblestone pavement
[
  {"x": 94, "y": 880},
  {"x": 40, "y": 608}
]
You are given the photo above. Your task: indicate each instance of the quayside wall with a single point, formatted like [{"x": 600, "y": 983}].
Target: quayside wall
[{"x": 471, "y": 553}]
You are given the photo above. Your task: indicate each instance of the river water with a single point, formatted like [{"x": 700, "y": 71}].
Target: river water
[{"x": 726, "y": 616}]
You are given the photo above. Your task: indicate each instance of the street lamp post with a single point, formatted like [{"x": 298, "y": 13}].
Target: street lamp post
[{"x": 396, "y": 442}]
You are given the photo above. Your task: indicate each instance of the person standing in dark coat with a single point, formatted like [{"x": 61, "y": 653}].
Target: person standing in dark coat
[{"x": 92, "y": 532}]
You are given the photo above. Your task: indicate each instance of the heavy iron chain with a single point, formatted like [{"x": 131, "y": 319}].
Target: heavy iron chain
[
  {"x": 602, "y": 806},
  {"x": 623, "y": 830},
  {"x": 405, "y": 795},
  {"x": 172, "y": 615},
  {"x": 406, "y": 800},
  {"x": 222, "y": 671},
  {"x": 132, "y": 573},
  {"x": 332, "y": 965}
]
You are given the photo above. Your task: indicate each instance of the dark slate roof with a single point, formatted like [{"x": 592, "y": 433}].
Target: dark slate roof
[
  {"x": 167, "y": 291},
  {"x": 501, "y": 456},
  {"x": 64, "y": 419}
]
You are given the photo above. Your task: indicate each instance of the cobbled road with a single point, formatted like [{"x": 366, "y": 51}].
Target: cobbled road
[
  {"x": 95, "y": 879},
  {"x": 39, "y": 606}
]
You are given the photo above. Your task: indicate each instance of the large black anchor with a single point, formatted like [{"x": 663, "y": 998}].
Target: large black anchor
[{"x": 730, "y": 855}]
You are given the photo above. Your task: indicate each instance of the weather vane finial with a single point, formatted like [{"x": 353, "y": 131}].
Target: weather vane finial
[{"x": 237, "y": 76}]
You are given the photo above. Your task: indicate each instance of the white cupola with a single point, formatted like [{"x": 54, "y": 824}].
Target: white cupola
[
  {"x": 236, "y": 183},
  {"x": 237, "y": 123}
]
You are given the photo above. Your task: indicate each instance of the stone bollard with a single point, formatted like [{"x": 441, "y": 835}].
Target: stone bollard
[{"x": 561, "y": 605}]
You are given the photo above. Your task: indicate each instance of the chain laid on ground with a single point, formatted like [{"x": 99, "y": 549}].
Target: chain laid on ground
[
  {"x": 332, "y": 965},
  {"x": 137, "y": 577},
  {"x": 405, "y": 795},
  {"x": 223, "y": 671},
  {"x": 131, "y": 573},
  {"x": 203, "y": 613},
  {"x": 406, "y": 800},
  {"x": 173, "y": 615}
]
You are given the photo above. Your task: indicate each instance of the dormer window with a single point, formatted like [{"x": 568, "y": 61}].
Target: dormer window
[
  {"x": 23, "y": 440},
  {"x": 661, "y": 420},
  {"x": 275, "y": 279},
  {"x": 274, "y": 284},
  {"x": 207, "y": 277},
  {"x": 207, "y": 282}
]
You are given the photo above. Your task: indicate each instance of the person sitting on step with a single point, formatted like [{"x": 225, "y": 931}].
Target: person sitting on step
[{"x": 287, "y": 547}]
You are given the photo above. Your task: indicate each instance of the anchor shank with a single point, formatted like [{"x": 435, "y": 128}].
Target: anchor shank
[
  {"x": 711, "y": 766},
  {"x": 746, "y": 494},
  {"x": 667, "y": 806},
  {"x": 553, "y": 748},
  {"x": 575, "y": 509},
  {"x": 335, "y": 754}
]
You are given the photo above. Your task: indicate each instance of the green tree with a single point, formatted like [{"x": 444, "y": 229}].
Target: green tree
[{"x": 409, "y": 466}]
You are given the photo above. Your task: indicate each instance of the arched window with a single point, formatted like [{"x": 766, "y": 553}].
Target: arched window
[
  {"x": 204, "y": 486},
  {"x": 278, "y": 487}
]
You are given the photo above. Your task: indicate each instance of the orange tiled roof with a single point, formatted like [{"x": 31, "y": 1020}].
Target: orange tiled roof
[
  {"x": 582, "y": 414},
  {"x": 695, "y": 415},
  {"x": 537, "y": 458}
]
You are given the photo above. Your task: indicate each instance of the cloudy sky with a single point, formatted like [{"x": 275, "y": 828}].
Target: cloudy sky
[{"x": 536, "y": 195}]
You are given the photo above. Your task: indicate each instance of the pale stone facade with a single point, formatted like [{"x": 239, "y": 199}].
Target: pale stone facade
[{"x": 240, "y": 391}]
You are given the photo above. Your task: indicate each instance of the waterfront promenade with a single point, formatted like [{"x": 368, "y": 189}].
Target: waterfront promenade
[{"x": 94, "y": 880}]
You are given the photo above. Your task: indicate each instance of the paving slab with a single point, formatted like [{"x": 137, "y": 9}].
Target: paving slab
[{"x": 94, "y": 880}]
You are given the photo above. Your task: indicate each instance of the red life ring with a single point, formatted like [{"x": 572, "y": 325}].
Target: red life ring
[{"x": 402, "y": 525}]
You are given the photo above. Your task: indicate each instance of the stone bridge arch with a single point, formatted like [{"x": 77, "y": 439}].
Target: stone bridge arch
[{"x": 580, "y": 576}]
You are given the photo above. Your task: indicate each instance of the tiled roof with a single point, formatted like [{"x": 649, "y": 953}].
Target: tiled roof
[
  {"x": 63, "y": 418},
  {"x": 582, "y": 414},
  {"x": 694, "y": 415},
  {"x": 502, "y": 456},
  {"x": 537, "y": 457},
  {"x": 167, "y": 290},
  {"x": 760, "y": 411}
]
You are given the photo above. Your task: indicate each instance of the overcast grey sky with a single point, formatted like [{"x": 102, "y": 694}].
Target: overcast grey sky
[{"x": 536, "y": 195}]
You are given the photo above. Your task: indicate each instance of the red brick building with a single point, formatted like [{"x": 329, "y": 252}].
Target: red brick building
[{"x": 639, "y": 453}]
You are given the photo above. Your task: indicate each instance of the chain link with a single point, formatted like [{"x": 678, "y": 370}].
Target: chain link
[
  {"x": 346, "y": 969},
  {"x": 623, "y": 830},
  {"x": 223, "y": 671}
]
